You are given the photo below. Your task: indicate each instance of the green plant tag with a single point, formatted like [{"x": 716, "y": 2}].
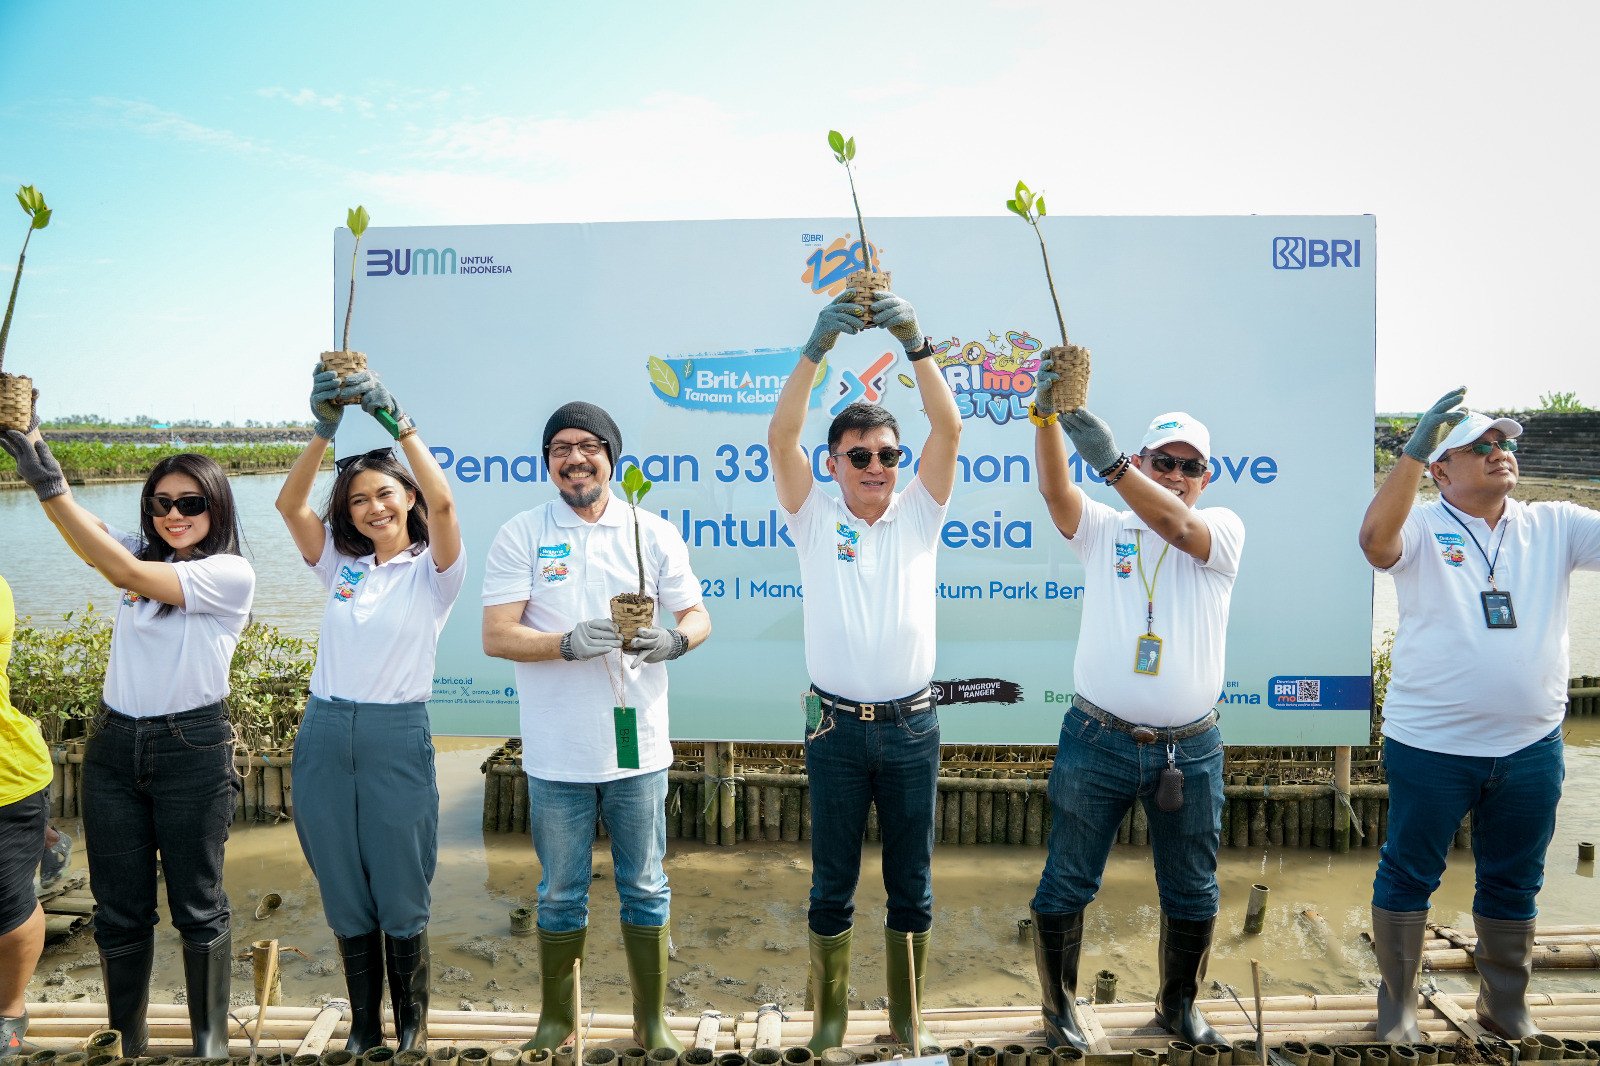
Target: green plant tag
[
  {"x": 813, "y": 706},
  {"x": 626, "y": 721}
]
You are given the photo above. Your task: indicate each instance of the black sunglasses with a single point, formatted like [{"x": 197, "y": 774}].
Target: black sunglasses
[
  {"x": 339, "y": 465},
  {"x": 861, "y": 457},
  {"x": 1166, "y": 464},
  {"x": 1487, "y": 447},
  {"x": 188, "y": 506}
]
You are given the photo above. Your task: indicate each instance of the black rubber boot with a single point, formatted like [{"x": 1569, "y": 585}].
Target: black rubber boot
[
  {"x": 1057, "y": 939},
  {"x": 12, "y": 1031},
  {"x": 127, "y": 980},
  {"x": 407, "y": 962},
  {"x": 208, "y": 979},
  {"x": 363, "y": 980},
  {"x": 1185, "y": 946}
]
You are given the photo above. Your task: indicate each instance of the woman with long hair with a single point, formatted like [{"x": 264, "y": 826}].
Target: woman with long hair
[
  {"x": 159, "y": 775},
  {"x": 388, "y": 550}
]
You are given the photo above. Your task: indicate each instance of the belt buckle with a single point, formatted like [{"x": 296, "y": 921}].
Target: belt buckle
[
  {"x": 1143, "y": 734},
  {"x": 867, "y": 712}
]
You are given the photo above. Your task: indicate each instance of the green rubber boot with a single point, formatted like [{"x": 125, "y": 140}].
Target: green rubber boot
[
  {"x": 829, "y": 990},
  {"x": 896, "y": 966},
  {"x": 557, "y": 953},
  {"x": 646, "y": 948}
]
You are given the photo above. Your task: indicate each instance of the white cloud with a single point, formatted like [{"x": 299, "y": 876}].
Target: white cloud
[{"x": 153, "y": 121}]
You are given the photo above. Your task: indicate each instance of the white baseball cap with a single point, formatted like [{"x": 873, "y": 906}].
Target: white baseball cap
[
  {"x": 1470, "y": 429},
  {"x": 1178, "y": 425}
]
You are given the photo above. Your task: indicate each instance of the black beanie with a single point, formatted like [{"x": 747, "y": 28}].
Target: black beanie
[{"x": 580, "y": 415}]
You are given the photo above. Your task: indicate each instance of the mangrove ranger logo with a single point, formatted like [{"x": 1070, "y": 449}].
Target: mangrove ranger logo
[
  {"x": 1301, "y": 253},
  {"x": 418, "y": 262}
]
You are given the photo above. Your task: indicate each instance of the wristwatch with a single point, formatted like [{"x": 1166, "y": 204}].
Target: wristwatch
[
  {"x": 923, "y": 352},
  {"x": 1041, "y": 420}
]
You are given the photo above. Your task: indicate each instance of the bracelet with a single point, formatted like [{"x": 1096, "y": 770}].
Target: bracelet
[
  {"x": 1116, "y": 470},
  {"x": 566, "y": 648},
  {"x": 922, "y": 352}
]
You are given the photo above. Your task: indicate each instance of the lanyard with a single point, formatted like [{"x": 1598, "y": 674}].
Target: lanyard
[
  {"x": 1150, "y": 585},
  {"x": 1490, "y": 563}
]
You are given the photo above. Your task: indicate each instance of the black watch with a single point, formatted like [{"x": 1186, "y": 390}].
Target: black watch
[{"x": 922, "y": 352}]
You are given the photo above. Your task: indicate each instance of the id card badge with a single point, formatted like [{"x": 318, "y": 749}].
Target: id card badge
[
  {"x": 626, "y": 722},
  {"x": 813, "y": 705},
  {"x": 1497, "y": 610},
  {"x": 1147, "y": 657}
]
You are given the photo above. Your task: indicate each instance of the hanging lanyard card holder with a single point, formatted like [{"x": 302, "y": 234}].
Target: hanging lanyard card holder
[{"x": 1497, "y": 610}]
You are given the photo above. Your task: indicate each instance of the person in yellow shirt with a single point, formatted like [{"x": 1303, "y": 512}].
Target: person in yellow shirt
[{"x": 24, "y": 813}]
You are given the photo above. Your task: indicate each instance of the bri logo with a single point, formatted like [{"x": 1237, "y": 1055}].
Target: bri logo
[
  {"x": 1299, "y": 253},
  {"x": 828, "y": 269}
]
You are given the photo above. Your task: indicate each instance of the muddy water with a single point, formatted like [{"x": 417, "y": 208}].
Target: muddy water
[{"x": 739, "y": 915}]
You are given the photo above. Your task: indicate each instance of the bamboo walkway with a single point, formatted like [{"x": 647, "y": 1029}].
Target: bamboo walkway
[
  {"x": 67, "y": 907},
  {"x": 1114, "y": 1027}
]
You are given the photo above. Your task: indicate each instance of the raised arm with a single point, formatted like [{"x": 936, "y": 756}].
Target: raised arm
[
  {"x": 937, "y": 469},
  {"x": 790, "y": 467},
  {"x": 294, "y": 499},
  {"x": 1381, "y": 540},
  {"x": 1169, "y": 517}
]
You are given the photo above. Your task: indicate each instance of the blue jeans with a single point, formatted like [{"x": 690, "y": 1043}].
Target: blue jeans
[
  {"x": 561, "y": 817},
  {"x": 158, "y": 785},
  {"x": 1098, "y": 774},
  {"x": 893, "y": 762},
  {"x": 1513, "y": 803},
  {"x": 367, "y": 813}
]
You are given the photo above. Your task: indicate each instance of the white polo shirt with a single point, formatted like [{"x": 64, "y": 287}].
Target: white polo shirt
[
  {"x": 179, "y": 661},
  {"x": 1457, "y": 686},
  {"x": 869, "y": 593},
  {"x": 381, "y": 624},
  {"x": 567, "y": 570},
  {"x": 1191, "y": 615}
]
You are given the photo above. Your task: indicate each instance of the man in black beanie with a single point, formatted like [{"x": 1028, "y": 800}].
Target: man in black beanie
[{"x": 594, "y": 713}]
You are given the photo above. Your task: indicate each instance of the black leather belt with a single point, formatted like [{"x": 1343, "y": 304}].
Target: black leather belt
[
  {"x": 868, "y": 712},
  {"x": 1145, "y": 734}
]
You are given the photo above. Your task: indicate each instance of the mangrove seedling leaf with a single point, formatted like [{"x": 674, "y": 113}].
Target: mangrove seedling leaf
[
  {"x": 1025, "y": 200},
  {"x": 29, "y": 198},
  {"x": 632, "y": 478},
  {"x": 644, "y": 487},
  {"x": 836, "y": 142},
  {"x": 663, "y": 377},
  {"x": 357, "y": 218},
  {"x": 41, "y": 218},
  {"x": 822, "y": 373},
  {"x": 850, "y": 148},
  {"x": 1038, "y": 205},
  {"x": 1022, "y": 191},
  {"x": 1011, "y": 205}
]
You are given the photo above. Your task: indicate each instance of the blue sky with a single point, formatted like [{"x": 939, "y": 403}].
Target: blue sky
[{"x": 199, "y": 155}]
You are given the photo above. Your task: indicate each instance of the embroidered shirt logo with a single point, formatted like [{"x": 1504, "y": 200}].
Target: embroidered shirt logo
[
  {"x": 131, "y": 598},
  {"x": 554, "y": 551},
  {"x": 1450, "y": 547},
  {"x": 349, "y": 578},
  {"x": 1126, "y": 550},
  {"x": 553, "y": 572},
  {"x": 848, "y": 538}
]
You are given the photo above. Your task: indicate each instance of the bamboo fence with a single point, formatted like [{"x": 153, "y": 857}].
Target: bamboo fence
[{"x": 267, "y": 794}]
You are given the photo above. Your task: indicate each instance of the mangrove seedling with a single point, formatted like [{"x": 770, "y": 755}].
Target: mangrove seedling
[
  {"x": 1070, "y": 361},
  {"x": 345, "y": 362},
  {"x": 630, "y": 611},
  {"x": 16, "y": 391},
  {"x": 866, "y": 283}
]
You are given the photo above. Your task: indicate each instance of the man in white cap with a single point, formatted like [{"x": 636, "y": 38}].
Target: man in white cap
[
  {"x": 1472, "y": 719},
  {"x": 1158, "y": 578}
]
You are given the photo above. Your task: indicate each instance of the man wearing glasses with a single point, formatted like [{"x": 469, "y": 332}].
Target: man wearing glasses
[
  {"x": 1158, "y": 578},
  {"x": 1472, "y": 719},
  {"x": 872, "y": 733},
  {"x": 594, "y": 714}
]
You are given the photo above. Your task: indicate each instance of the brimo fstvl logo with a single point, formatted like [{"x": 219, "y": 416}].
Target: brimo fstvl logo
[
  {"x": 1299, "y": 253},
  {"x": 417, "y": 262}
]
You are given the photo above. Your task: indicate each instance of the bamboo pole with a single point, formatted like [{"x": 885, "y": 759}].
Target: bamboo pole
[
  {"x": 264, "y": 957},
  {"x": 725, "y": 804},
  {"x": 322, "y": 1027}
]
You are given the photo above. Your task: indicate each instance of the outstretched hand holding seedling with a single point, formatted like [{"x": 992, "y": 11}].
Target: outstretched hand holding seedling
[
  {"x": 16, "y": 391},
  {"x": 1064, "y": 373},
  {"x": 867, "y": 283}
]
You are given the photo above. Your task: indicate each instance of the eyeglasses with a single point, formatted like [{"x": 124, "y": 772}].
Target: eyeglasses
[
  {"x": 587, "y": 448},
  {"x": 188, "y": 506},
  {"x": 1166, "y": 464},
  {"x": 1487, "y": 447},
  {"x": 861, "y": 457},
  {"x": 340, "y": 465}
]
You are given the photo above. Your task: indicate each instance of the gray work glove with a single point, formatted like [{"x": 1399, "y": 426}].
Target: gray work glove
[
  {"x": 900, "y": 319},
  {"x": 1092, "y": 438},
  {"x": 1435, "y": 423},
  {"x": 840, "y": 316},
  {"x": 324, "y": 389},
  {"x": 656, "y": 645},
  {"x": 589, "y": 639},
  {"x": 375, "y": 395},
  {"x": 1044, "y": 404},
  {"x": 35, "y": 463}
]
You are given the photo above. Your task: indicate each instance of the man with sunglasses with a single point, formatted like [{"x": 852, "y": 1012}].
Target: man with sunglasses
[
  {"x": 1473, "y": 714},
  {"x": 1142, "y": 728},
  {"x": 594, "y": 713},
  {"x": 872, "y": 733}
]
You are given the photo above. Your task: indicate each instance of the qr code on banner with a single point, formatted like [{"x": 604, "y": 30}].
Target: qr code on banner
[{"x": 1308, "y": 691}]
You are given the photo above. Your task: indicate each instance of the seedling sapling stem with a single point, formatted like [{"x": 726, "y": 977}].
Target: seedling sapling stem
[
  {"x": 1030, "y": 208},
  {"x": 38, "y": 213}
]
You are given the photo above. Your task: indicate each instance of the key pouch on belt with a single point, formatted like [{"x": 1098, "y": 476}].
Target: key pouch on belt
[{"x": 1169, "y": 792}]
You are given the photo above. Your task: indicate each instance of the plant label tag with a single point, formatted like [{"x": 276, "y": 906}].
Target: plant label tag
[
  {"x": 626, "y": 720},
  {"x": 1147, "y": 655},
  {"x": 813, "y": 705},
  {"x": 1497, "y": 610}
]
